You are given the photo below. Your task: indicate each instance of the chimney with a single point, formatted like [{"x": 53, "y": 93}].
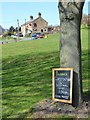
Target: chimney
[
  {"x": 31, "y": 18},
  {"x": 39, "y": 14}
]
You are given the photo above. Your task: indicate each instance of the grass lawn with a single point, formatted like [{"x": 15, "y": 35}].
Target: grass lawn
[{"x": 27, "y": 73}]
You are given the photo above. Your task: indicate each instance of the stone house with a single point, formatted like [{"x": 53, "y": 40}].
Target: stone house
[{"x": 35, "y": 25}]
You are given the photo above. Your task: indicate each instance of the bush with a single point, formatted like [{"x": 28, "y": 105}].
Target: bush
[{"x": 28, "y": 35}]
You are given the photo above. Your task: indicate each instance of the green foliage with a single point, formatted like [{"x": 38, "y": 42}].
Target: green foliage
[
  {"x": 27, "y": 73},
  {"x": 7, "y": 34},
  {"x": 11, "y": 31}
]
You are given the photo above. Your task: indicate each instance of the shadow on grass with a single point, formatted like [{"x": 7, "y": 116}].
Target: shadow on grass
[
  {"x": 86, "y": 74},
  {"x": 27, "y": 79},
  {"x": 86, "y": 96}
]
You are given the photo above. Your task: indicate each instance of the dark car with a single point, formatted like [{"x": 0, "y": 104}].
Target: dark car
[{"x": 34, "y": 36}]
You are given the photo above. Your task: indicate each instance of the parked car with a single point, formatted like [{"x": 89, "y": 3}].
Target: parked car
[
  {"x": 17, "y": 35},
  {"x": 14, "y": 36},
  {"x": 39, "y": 35},
  {"x": 34, "y": 36}
]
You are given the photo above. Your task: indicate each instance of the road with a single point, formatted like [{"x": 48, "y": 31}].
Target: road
[{"x": 14, "y": 40}]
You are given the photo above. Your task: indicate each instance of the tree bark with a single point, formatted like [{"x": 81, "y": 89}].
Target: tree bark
[{"x": 70, "y": 44}]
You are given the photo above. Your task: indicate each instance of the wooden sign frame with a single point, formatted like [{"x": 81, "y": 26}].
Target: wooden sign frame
[{"x": 53, "y": 84}]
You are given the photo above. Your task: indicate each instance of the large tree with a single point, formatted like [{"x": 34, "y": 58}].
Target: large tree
[{"x": 70, "y": 43}]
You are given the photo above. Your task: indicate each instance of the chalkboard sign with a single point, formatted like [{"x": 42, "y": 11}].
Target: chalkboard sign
[{"x": 62, "y": 79}]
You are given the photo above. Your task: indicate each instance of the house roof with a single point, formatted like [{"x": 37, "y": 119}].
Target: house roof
[{"x": 33, "y": 21}]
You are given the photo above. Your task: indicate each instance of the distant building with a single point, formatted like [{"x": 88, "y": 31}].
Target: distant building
[
  {"x": 53, "y": 29},
  {"x": 85, "y": 20},
  {"x": 2, "y": 30},
  {"x": 35, "y": 25}
]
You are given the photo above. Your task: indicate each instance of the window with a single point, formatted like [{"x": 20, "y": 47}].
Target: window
[
  {"x": 35, "y": 25},
  {"x": 41, "y": 30},
  {"x": 30, "y": 24}
]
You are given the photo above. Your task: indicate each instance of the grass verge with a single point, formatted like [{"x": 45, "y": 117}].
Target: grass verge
[{"x": 27, "y": 70}]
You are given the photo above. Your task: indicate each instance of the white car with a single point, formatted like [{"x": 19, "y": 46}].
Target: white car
[
  {"x": 18, "y": 35},
  {"x": 14, "y": 36}
]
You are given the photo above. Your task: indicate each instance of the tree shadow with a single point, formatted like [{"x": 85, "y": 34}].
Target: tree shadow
[
  {"x": 86, "y": 96},
  {"x": 27, "y": 79},
  {"x": 86, "y": 74}
]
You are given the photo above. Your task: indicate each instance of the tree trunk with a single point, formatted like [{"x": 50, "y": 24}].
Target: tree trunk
[{"x": 70, "y": 44}]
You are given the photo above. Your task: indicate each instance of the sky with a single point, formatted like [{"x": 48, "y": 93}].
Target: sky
[{"x": 11, "y": 11}]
